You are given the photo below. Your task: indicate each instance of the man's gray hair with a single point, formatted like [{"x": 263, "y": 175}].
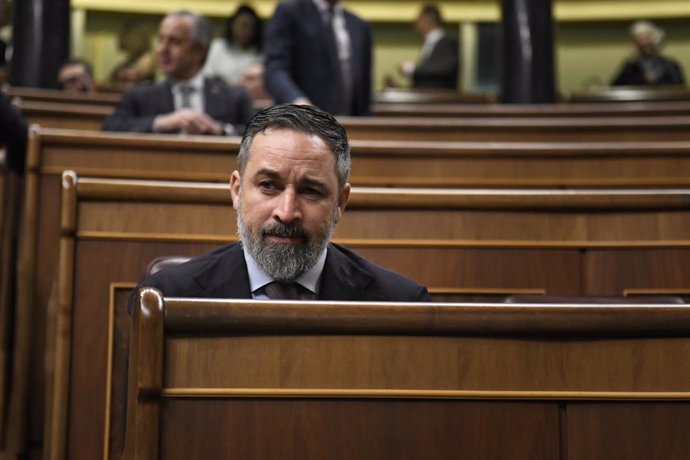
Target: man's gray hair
[
  {"x": 202, "y": 30},
  {"x": 645, "y": 27},
  {"x": 306, "y": 119}
]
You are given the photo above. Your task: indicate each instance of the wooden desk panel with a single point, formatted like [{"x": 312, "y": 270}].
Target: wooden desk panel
[{"x": 550, "y": 381}]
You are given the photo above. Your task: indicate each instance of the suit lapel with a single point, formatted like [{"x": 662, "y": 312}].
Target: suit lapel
[
  {"x": 343, "y": 280},
  {"x": 212, "y": 98},
  {"x": 227, "y": 278},
  {"x": 166, "y": 98}
]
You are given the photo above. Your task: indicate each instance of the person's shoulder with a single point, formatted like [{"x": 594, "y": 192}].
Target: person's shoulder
[
  {"x": 388, "y": 284},
  {"x": 218, "y": 86},
  {"x": 144, "y": 89},
  {"x": 292, "y": 6}
]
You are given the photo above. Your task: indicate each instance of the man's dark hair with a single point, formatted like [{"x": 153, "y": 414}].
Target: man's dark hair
[
  {"x": 88, "y": 68},
  {"x": 306, "y": 119},
  {"x": 432, "y": 12},
  {"x": 257, "y": 35}
]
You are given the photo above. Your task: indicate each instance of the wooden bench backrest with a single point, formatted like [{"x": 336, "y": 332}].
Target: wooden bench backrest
[
  {"x": 241, "y": 378},
  {"x": 563, "y": 129},
  {"x": 105, "y": 99},
  {"x": 585, "y": 110}
]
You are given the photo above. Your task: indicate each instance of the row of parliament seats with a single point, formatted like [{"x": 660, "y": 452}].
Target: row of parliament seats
[
  {"x": 590, "y": 122},
  {"x": 376, "y": 163},
  {"x": 383, "y": 162},
  {"x": 463, "y": 244}
]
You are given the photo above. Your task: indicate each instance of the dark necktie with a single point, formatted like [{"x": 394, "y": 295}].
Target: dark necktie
[
  {"x": 343, "y": 66},
  {"x": 286, "y": 291},
  {"x": 186, "y": 92}
]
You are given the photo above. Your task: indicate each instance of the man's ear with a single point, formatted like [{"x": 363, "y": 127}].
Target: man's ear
[
  {"x": 342, "y": 201},
  {"x": 235, "y": 189}
]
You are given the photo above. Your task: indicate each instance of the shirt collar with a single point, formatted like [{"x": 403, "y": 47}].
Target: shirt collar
[
  {"x": 259, "y": 278},
  {"x": 324, "y": 5},
  {"x": 433, "y": 36},
  {"x": 196, "y": 82}
]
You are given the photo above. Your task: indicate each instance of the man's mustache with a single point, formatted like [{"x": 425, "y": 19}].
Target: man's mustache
[{"x": 284, "y": 231}]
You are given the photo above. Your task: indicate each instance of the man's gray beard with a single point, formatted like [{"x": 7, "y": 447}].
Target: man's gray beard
[{"x": 282, "y": 262}]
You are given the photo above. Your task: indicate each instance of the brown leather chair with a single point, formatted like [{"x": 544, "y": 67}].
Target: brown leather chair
[{"x": 163, "y": 262}]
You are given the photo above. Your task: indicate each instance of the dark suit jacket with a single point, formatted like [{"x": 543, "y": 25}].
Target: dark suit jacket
[
  {"x": 222, "y": 273},
  {"x": 143, "y": 103},
  {"x": 440, "y": 68},
  {"x": 301, "y": 60},
  {"x": 13, "y": 135},
  {"x": 632, "y": 73}
]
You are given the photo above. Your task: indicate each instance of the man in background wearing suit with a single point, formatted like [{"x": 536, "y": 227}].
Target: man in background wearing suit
[
  {"x": 319, "y": 53},
  {"x": 289, "y": 191},
  {"x": 186, "y": 101},
  {"x": 439, "y": 61}
]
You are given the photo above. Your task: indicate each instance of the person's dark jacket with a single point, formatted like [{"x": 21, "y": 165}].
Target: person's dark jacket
[
  {"x": 222, "y": 273},
  {"x": 13, "y": 135},
  {"x": 142, "y": 104},
  {"x": 633, "y": 73}
]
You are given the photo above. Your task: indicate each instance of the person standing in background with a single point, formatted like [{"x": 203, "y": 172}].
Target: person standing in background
[
  {"x": 648, "y": 66},
  {"x": 319, "y": 53},
  {"x": 438, "y": 65}
]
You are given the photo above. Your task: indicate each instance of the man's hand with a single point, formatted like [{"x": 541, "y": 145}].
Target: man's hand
[{"x": 189, "y": 121}]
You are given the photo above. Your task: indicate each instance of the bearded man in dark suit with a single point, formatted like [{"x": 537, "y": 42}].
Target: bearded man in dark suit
[
  {"x": 289, "y": 191},
  {"x": 186, "y": 101}
]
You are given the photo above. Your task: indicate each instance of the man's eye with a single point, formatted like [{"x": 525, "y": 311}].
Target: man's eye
[
  {"x": 267, "y": 185},
  {"x": 311, "y": 192}
]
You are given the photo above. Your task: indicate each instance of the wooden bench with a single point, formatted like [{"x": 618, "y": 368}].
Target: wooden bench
[
  {"x": 588, "y": 110},
  {"x": 546, "y": 129},
  {"x": 251, "y": 380},
  {"x": 632, "y": 94},
  {"x": 376, "y": 163},
  {"x": 105, "y": 99},
  {"x": 462, "y": 244},
  {"x": 562, "y": 129},
  {"x": 430, "y": 96},
  {"x": 62, "y": 115}
]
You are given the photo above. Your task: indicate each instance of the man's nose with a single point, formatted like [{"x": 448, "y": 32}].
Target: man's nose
[{"x": 287, "y": 208}]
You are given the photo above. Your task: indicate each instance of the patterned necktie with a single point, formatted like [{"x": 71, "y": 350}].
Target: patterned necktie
[
  {"x": 186, "y": 96},
  {"x": 345, "y": 78},
  {"x": 287, "y": 291}
]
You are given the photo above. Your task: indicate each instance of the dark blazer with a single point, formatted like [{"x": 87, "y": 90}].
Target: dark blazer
[
  {"x": 13, "y": 135},
  {"x": 301, "y": 60},
  {"x": 632, "y": 73},
  {"x": 440, "y": 68},
  {"x": 222, "y": 273},
  {"x": 143, "y": 103}
]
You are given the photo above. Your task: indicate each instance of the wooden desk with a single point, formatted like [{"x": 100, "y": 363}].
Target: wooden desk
[{"x": 239, "y": 379}]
